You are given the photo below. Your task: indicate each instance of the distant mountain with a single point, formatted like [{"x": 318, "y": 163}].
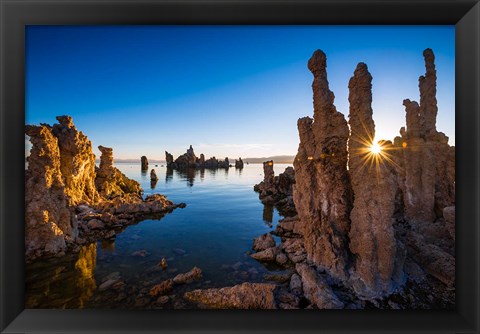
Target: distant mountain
[{"x": 278, "y": 159}]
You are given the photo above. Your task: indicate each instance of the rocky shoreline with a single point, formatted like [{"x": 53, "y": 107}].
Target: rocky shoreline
[
  {"x": 364, "y": 228},
  {"x": 69, "y": 201}
]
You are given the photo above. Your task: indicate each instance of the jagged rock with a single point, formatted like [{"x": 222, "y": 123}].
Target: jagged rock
[
  {"x": 296, "y": 284},
  {"x": 144, "y": 163},
  {"x": 242, "y": 296},
  {"x": 379, "y": 261},
  {"x": 316, "y": 289},
  {"x": 162, "y": 288},
  {"x": 239, "y": 163},
  {"x": 168, "y": 158},
  {"x": 429, "y": 162},
  {"x": 49, "y": 222},
  {"x": 449, "y": 216},
  {"x": 263, "y": 242},
  {"x": 153, "y": 175},
  {"x": 110, "y": 181},
  {"x": 188, "y": 277},
  {"x": 432, "y": 258},
  {"x": 77, "y": 162},
  {"x": 59, "y": 184},
  {"x": 277, "y": 190},
  {"x": 289, "y": 227},
  {"x": 322, "y": 191}
]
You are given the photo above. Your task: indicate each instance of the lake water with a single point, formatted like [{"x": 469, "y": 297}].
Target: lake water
[{"x": 214, "y": 232}]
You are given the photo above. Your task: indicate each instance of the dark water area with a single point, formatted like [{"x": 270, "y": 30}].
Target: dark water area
[{"x": 214, "y": 232}]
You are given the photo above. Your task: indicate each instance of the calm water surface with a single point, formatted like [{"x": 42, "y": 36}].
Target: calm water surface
[{"x": 214, "y": 232}]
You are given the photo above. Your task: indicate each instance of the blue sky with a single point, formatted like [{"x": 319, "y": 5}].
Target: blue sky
[{"x": 227, "y": 90}]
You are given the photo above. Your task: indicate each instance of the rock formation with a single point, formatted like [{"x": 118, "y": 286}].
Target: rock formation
[
  {"x": 242, "y": 296},
  {"x": 389, "y": 218},
  {"x": 239, "y": 163},
  {"x": 277, "y": 190},
  {"x": 144, "y": 162},
  {"x": 379, "y": 257},
  {"x": 190, "y": 161},
  {"x": 77, "y": 162},
  {"x": 49, "y": 222},
  {"x": 68, "y": 200},
  {"x": 153, "y": 176},
  {"x": 110, "y": 181},
  {"x": 322, "y": 190}
]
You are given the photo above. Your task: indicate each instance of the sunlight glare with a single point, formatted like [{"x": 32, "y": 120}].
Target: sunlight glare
[{"x": 375, "y": 148}]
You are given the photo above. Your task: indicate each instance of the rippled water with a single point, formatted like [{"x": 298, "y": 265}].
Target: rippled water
[{"x": 214, "y": 232}]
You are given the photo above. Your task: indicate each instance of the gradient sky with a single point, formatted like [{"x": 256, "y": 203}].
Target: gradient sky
[{"x": 227, "y": 90}]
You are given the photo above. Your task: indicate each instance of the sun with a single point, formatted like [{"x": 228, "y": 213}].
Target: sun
[{"x": 375, "y": 148}]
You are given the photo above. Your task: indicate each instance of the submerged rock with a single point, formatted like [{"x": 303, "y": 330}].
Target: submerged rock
[
  {"x": 242, "y": 296},
  {"x": 194, "y": 274}
]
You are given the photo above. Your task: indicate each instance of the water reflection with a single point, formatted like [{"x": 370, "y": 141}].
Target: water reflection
[
  {"x": 68, "y": 283},
  {"x": 169, "y": 175},
  {"x": 108, "y": 245},
  {"x": 153, "y": 184},
  {"x": 268, "y": 214}
]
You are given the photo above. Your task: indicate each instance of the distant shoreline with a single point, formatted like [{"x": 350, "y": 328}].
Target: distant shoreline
[{"x": 281, "y": 159}]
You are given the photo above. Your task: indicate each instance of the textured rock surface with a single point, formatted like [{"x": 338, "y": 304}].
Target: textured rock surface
[
  {"x": 188, "y": 277},
  {"x": 322, "y": 193},
  {"x": 144, "y": 163},
  {"x": 242, "y": 296},
  {"x": 110, "y": 181},
  {"x": 49, "y": 222},
  {"x": 378, "y": 258},
  {"x": 77, "y": 162},
  {"x": 277, "y": 190},
  {"x": 63, "y": 208},
  {"x": 449, "y": 216},
  {"x": 316, "y": 289},
  {"x": 263, "y": 242}
]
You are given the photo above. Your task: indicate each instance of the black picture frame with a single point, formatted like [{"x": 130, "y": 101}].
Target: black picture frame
[{"x": 16, "y": 14}]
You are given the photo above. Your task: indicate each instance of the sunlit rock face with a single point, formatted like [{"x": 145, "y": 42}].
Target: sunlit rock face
[
  {"x": 322, "y": 193},
  {"x": 49, "y": 223},
  {"x": 77, "y": 162},
  {"x": 378, "y": 255},
  {"x": 110, "y": 181}
]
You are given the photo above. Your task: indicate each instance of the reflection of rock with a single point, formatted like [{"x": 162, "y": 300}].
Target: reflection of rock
[
  {"x": 268, "y": 213},
  {"x": 277, "y": 190},
  {"x": 242, "y": 296},
  {"x": 67, "y": 282},
  {"x": 144, "y": 163}
]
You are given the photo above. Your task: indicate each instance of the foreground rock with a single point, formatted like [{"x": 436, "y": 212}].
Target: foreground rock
[
  {"x": 277, "y": 190},
  {"x": 68, "y": 201},
  {"x": 380, "y": 233},
  {"x": 379, "y": 257},
  {"x": 322, "y": 192},
  {"x": 242, "y": 296}
]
